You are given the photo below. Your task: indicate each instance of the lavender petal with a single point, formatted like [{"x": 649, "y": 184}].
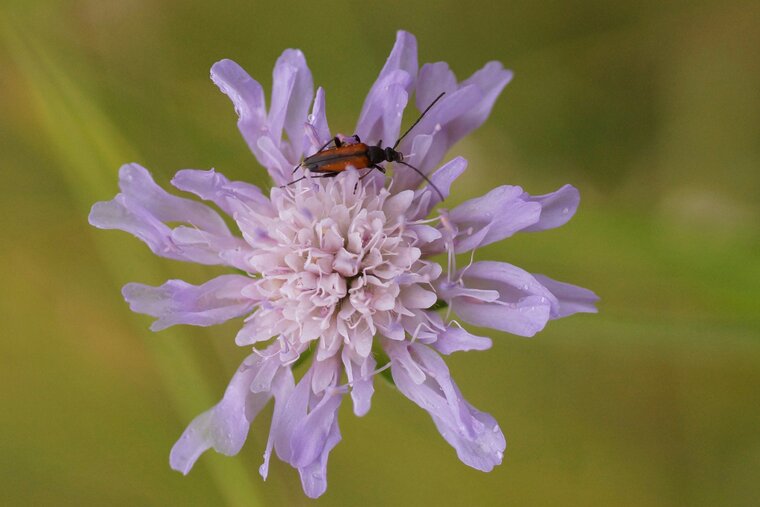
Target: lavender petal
[
  {"x": 178, "y": 302},
  {"x": 360, "y": 375},
  {"x": 142, "y": 210},
  {"x": 433, "y": 79},
  {"x": 474, "y": 435},
  {"x": 572, "y": 299},
  {"x": 523, "y": 306},
  {"x": 230, "y": 196},
  {"x": 381, "y": 114},
  {"x": 399, "y": 69},
  {"x": 247, "y": 96},
  {"x": 314, "y": 475},
  {"x": 318, "y": 121},
  {"x": 556, "y": 208},
  {"x": 282, "y": 386},
  {"x": 457, "y": 339},
  {"x": 427, "y": 198},
  {"x": 225, "y": 426},
  {"x": 292, "y": 93},
  {"x": 137, "y": 184},
  {"x": 502, "y": 212},
  {"x": 310, "y": 435}
]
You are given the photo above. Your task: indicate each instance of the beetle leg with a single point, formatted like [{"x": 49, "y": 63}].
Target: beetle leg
[
  {"x": 372, "y": 168},
  {"x": 366, "y": 174},
  {"x": 312, "y": 175},
  {"x": 294, "y": 181},
  {"x": 332, "y": 140},
  {"x": 331, "y": 174}
]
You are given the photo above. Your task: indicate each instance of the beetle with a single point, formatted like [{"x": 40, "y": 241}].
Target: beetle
[{"x": 328, "y": 162}]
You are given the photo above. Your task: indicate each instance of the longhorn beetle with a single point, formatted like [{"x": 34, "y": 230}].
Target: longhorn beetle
[{"x": 329, "y": 162}]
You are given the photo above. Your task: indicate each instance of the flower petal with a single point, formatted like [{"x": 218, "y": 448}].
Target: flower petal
[
  {"x": 310, "y": 435},
  {"x": 434, "y": 124},
  {"x": 427, "y": 198},
  {"x": 119, "y": 213},
  {"x": 292, "y": 93},
  {"x": 490, "y": 80},
  {"x": 403, "y": 361},
  {"x": 360, "y": 378},
  {"x": 259, "y": 327},
  {"x": 475, "y": 435},
  {"x": 304, "y": 438},
  {"x": 413, "y": 296},
  {"x": 381, "y": 114},
  {"x": 206, "y": 248},
  {"x": 463, "y": 109},
  {"x": 399, "y": 69},
  {"x": 137, "y": 184},
  {"x": 502, "y": 211},
  {"x": 457, "y": 339},
  {"x": 270, "y": 156},
  {"x": 282, "y": 386},
  {"x": 314, "y": 475},
  {"x": 572, "y": 299},
  {"x": 143, "y": 208},
  {"x": 381, "y": 117},
  {"x": 318, "y": 120},
  {"x": 524, "y": 305},
  {"x": 247, "y": 96},
  {"x": 556, "y": 208},
  {"x": 326, "y": 373},
  {"x": 403, "y": 55},
  {"x": 230, "y": 196},
  {"x": 178, "y": 302},
  {"x": 433, "y": 79},
  {"x": 483, "y": 452},
  {"x": 225, "y": 426},
  {"x": 293, "y": 412},
  {"x": 396, "y": 206}
]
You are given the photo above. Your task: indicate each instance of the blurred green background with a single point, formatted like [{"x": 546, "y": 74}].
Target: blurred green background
[{"x": 651, "y": 108}]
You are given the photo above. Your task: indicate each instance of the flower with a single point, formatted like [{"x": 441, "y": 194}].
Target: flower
[{"x": 342, "y": 267}]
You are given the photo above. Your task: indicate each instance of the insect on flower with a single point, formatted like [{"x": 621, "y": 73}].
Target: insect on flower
[
  {"x": 329, "y": 162},
  {"x": 340, "y": 274}
]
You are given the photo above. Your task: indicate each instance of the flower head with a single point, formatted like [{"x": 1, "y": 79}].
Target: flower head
[{"x": 340, "y": 270}]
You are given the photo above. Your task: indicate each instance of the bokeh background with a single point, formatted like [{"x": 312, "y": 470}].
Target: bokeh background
[{"x": 651, "y": 108}]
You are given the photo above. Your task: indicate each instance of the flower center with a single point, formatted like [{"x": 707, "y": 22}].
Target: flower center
[{"x": 337, "y": 260}]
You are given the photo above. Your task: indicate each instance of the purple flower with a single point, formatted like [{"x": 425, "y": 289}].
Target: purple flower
[{"x": 341, "y": 268}]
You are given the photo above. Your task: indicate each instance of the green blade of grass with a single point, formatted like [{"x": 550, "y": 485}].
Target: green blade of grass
[{"x": 89, "y": 148}]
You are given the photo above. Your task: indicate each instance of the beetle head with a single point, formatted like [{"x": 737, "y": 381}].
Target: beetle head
[{"x": 392, "y": 155}]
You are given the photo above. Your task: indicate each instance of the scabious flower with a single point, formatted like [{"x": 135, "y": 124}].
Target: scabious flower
[{"x": 340, "y": 270}]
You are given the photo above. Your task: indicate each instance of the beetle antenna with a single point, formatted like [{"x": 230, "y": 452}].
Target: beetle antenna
[
  {"x": 425, "y": 177},
  {"x": 294, "y": 181},
  {"x": 418, "y": 119}
]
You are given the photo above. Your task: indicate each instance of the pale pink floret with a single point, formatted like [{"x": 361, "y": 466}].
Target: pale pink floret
[{"x": 341, "y": 267}]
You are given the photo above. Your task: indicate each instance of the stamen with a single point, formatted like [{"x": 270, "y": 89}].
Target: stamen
[{"x": 368, "y": 376}]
